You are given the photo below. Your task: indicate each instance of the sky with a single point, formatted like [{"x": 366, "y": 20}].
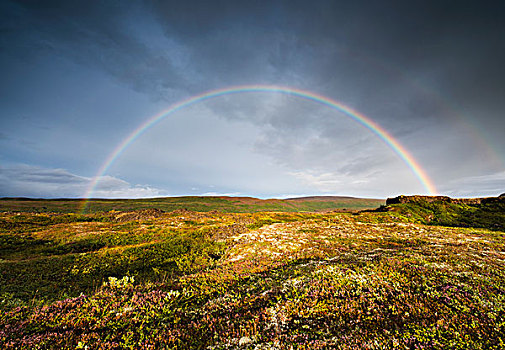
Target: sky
[{"x": 79, "y": 77}]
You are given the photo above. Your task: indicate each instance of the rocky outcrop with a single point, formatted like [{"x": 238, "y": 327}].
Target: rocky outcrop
[
  {"x": 489, "y": 200},
  {"x": 443, "y": 199},
  {"x": 486, "y": 212}
]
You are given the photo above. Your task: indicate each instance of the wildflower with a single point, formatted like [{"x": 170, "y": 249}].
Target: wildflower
[
  {"x": 120, "y": 283},
  {"x": 81, "y": 345}
]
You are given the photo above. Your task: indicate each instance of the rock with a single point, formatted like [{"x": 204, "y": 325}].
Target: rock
[{"x": 244, "y": 341}]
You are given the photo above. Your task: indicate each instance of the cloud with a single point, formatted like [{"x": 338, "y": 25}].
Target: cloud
[
  {"x": 31, "y": 181},
  {"x": 111, "y": 187},
  {"x": 326, "y": 182},
  {"x": 477, "y": 186},
  {"x": 301, "y": 134},
  {"x": 219, "y": 194},
  {"x": 100, "y": 35},
  {"x": 402, "y": 65}
]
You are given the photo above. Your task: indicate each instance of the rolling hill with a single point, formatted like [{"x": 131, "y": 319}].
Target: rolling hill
[{"x": 196, "y": 203}]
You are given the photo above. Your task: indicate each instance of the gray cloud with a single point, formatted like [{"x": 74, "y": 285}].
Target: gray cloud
[
  {"x": 98, "y": 35},
  {"x": 301, "y": 134},
  {"x": 419, "y": 69},
  {"x": 474, "y": 186},
  {"x": 31, "y": 181}
]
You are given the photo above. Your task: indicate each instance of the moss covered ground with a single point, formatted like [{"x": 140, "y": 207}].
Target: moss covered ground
[{"x": 266, "y": 280}]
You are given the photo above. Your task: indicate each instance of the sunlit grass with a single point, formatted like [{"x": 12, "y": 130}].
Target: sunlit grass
[{"x": 251, "y": 281}]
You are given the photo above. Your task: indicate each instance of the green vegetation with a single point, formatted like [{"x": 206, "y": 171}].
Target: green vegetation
[
  {"x": 488, "y": 214},
  {"x": 266, "y": 280},
  {"x": 65, "y": 255},
  {"x": 201, "y": 204}
]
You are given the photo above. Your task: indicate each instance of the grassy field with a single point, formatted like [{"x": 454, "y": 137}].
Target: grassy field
[
  {"x": 148, "y": 279},
  {"x": 202, "y": 204}
]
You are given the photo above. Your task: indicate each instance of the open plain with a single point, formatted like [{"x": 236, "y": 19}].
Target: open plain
[{"x": 266, "y": 280}]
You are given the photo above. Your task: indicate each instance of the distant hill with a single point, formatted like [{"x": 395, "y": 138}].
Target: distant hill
[
  {"x": 322, "y": 198},
  {"x": 195, "y": 203}
]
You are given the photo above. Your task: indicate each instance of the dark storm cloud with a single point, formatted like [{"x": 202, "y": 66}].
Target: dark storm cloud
[
  {"x": 417, "y": 68},
  {"x": 409, "y": 34},
  {"x": 325, "y": 44},
  {"x": 94, "y": 34},
  {"x": 408, "y": 65}
]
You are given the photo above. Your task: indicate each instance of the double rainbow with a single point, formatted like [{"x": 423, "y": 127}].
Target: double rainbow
[{"x": 401, "y": 151}]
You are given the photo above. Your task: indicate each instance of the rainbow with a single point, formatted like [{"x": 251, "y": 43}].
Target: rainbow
[{"x": 401, "y": 151}]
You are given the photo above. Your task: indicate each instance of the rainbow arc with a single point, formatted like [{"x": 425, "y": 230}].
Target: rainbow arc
[{"x": 368, "y": 123}]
